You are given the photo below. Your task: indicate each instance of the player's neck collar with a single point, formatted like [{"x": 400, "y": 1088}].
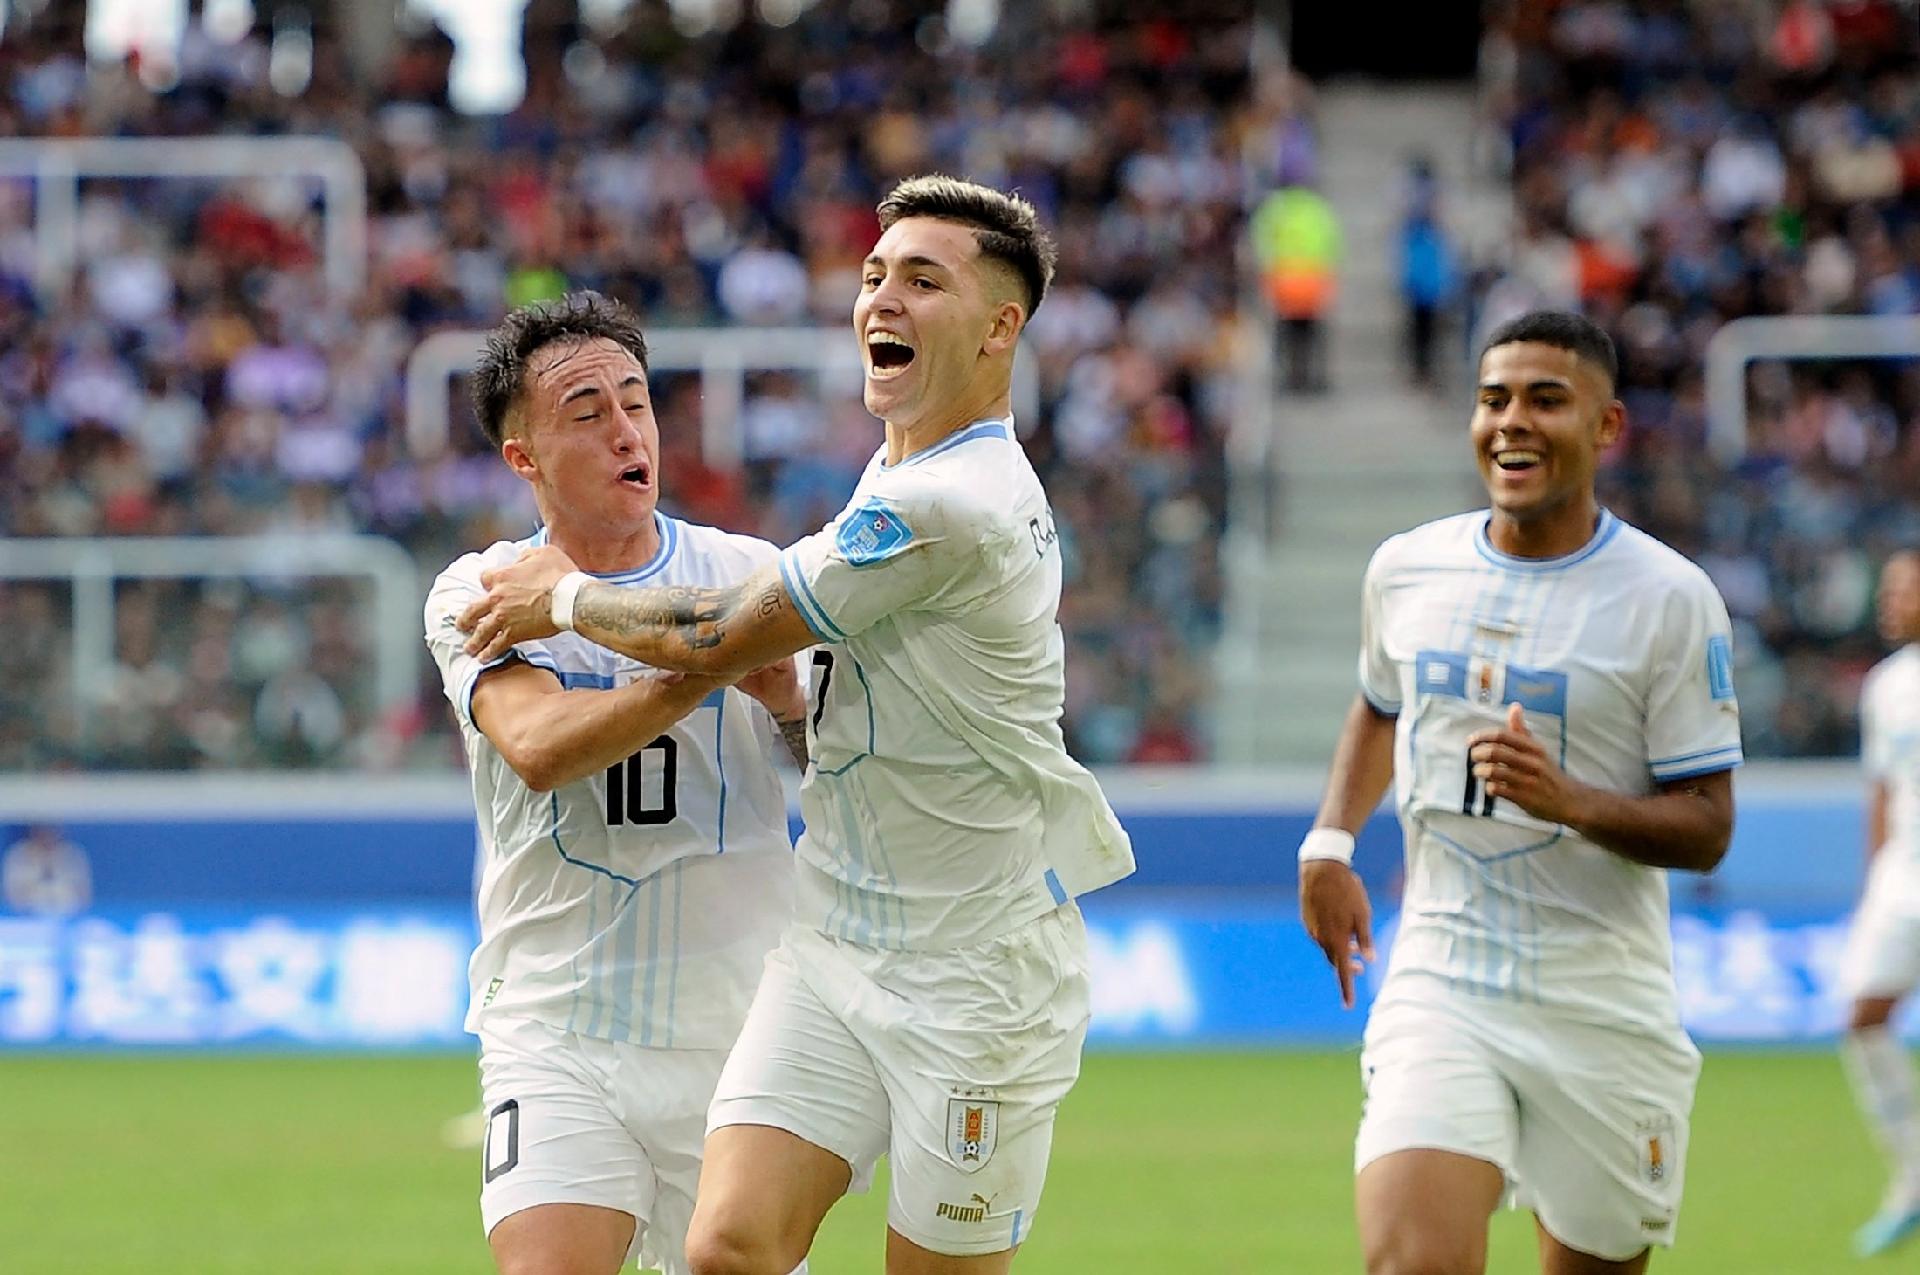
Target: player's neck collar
[
  {"x": 991, "y": 427},
  {"x": 668, "y": 530},
  {"x": 1603, "y": 531}
]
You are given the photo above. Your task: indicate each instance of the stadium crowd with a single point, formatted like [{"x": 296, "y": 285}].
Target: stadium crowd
[
  {"x": 1676, "y": 166},
  {"x": 196, "y": 378}
]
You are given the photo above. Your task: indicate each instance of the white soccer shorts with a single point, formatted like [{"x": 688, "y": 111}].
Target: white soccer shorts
[
  {"x": 578, "y": 1120},
  {"x": 1588, "y": 1124},
  {"x": 951, "y": 1063},
  {"x": 1883, "y": 945}
]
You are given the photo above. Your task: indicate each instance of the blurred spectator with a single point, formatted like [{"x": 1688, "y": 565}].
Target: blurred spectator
[
  {"x": 1296, "y": 239},
  {"x": 46, "y": 874},
  {"x": 1426, "y": 268}
]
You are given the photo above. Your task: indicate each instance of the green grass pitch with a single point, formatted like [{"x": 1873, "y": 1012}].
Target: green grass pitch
[{"x": 1228, "y": 1164}]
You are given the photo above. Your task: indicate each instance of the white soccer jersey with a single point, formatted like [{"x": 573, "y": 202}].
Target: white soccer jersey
[
  {"x": 1619, "y": 656},
  {"x": 942, "y": 808},
  {"x": 639, "y": 903},
  {"x": 1890, "y": 752}
]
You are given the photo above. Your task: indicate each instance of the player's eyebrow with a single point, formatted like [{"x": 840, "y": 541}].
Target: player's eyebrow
[
  {"x": 933, "y": 263},
  {"x": 581, "y": 391},
  {"x": 1552, "y": 383}
]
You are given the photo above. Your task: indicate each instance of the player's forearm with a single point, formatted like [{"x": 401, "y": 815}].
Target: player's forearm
[
  {"x": 711, "y": 632},
  {"x": 574, "y": 734},
  {"x": 1683, "y": 827},
  {"x": 1361, "y": 771}
]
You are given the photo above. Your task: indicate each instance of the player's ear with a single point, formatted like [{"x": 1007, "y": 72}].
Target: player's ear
[
  {"x": 515, "y": 450},
  {"x": 1004, "y": 331},
  {"x": 1612, "y": 421}
]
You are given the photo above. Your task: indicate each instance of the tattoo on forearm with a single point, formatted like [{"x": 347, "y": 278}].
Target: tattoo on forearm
[
  {"x": 661, "y": 619},
  {"x": 771, "y": 599},
  {"x": 794, "y": 731}
]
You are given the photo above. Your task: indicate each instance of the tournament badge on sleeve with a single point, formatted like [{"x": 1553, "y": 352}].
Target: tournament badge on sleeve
[{"x": 972, "y": 1126}]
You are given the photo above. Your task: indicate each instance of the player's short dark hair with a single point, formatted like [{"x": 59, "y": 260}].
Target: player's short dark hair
[
  {"x": 500, "y": 375},
  {"x": 1006, "y": 227},
  {"x": 1562, "y": 330}
]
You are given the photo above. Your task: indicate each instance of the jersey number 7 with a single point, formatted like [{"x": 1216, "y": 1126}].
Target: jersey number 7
[{"x": 627, "y": 785}]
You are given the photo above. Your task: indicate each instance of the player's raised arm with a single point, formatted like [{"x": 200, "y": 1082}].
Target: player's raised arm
[
  {"x": 723, "y": 633},
  {"x": 1333, "y": 902}
]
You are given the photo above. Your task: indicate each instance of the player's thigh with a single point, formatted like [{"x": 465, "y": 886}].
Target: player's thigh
[
  {"x": 1882, "y": 957},
  {"x": 1603, "y": 1150},
  {"x": 1439, "y": 1135},
  {"x": 553, "y": 1136},
  {"x": 798, "y": 1117},
  {"x": 562, "y": 1239},
  {"x": 1426, "y": 1211},
  {"x": 975, "y": 1074}
]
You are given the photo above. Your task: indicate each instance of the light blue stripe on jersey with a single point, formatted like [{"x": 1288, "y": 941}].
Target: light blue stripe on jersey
[
  {"x": 653, "y": 961},
  {"x": 1608, "y": 527},
  {"x": 805, "y": 603},
  {"x": 673, "y": 971},
  {"x": 572, "y": 681},
  {"x": 859, "y": 785},
  {"x": 1726, "y": 759},
  {"x": 720, "y": 762},
  {"x": 1058, "y": 891},
  {"x": 669, "y": 531},
  {"x": 623, "y": 936}
]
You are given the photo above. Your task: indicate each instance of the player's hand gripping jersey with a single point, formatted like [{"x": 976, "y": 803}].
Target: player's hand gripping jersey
[
  {"x": 942, "y": 808},
  {"x": 639, "y": 903},
  {"x": 1619, "y": 656}
]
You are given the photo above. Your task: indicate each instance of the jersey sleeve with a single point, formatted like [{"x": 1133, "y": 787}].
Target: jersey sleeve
[
  {"x": 456, "y": 588},
  {"x": 1379, "y": 679},
  {"x": 1693, "y": 719},
  {"x": 896, "y": 547}
]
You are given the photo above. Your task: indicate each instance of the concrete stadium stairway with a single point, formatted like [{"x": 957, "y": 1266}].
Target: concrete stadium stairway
[{"x": 1321, "y": 480}]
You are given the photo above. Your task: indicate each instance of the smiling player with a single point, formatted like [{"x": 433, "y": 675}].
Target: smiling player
[{"x": 1550, "y": 692}]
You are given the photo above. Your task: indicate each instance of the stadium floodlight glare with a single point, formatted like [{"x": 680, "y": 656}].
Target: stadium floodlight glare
[
  {"x": 723, "y": 358},
  {"x": 57, "y": 165},
  {"x": 1811, "y": 336}
]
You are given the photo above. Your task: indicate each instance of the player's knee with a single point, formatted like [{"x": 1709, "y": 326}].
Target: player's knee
[
  {"x": 715, "y": 1250},
  {"x": 1406, "y": 1252},
  {"x": 1871, "y": 1013}
]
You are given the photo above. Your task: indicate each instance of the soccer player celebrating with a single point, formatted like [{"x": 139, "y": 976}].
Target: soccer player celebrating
[
  {"x": 1549, "y": 689},
  {"x": 1883, "y": 957},
  {"x": 931, "y": 1001},
  {"x": 636, "y": 868}
]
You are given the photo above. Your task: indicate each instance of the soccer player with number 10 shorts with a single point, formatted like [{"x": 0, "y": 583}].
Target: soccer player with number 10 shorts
[
  {"x": 1550, "y": 692},
  {"x": 931, "y": 1001}
]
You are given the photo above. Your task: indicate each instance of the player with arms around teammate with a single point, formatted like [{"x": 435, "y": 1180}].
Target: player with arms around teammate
[
  {"x": 1549, "y": 691},
  {"x": 636, "y": 866},
  {"x": 1883, "y": 957},
  {"x": 931, "y": 1001}
]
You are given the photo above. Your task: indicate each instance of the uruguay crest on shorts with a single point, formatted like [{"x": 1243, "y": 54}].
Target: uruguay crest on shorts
[{"x": 973, "y": 1124}]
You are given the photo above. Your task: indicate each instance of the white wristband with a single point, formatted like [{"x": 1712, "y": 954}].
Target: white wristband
[
  {"x": 563, "y": 595},
  {"x": 1327, "y": 843}
]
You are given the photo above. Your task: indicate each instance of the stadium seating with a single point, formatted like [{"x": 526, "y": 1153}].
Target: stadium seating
[{"x": 197, "y": 380}]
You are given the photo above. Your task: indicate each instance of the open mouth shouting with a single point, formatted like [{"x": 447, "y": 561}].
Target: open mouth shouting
[
  {"x": 888, "y": 355},
  {"x": 638, "y": 476}
]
